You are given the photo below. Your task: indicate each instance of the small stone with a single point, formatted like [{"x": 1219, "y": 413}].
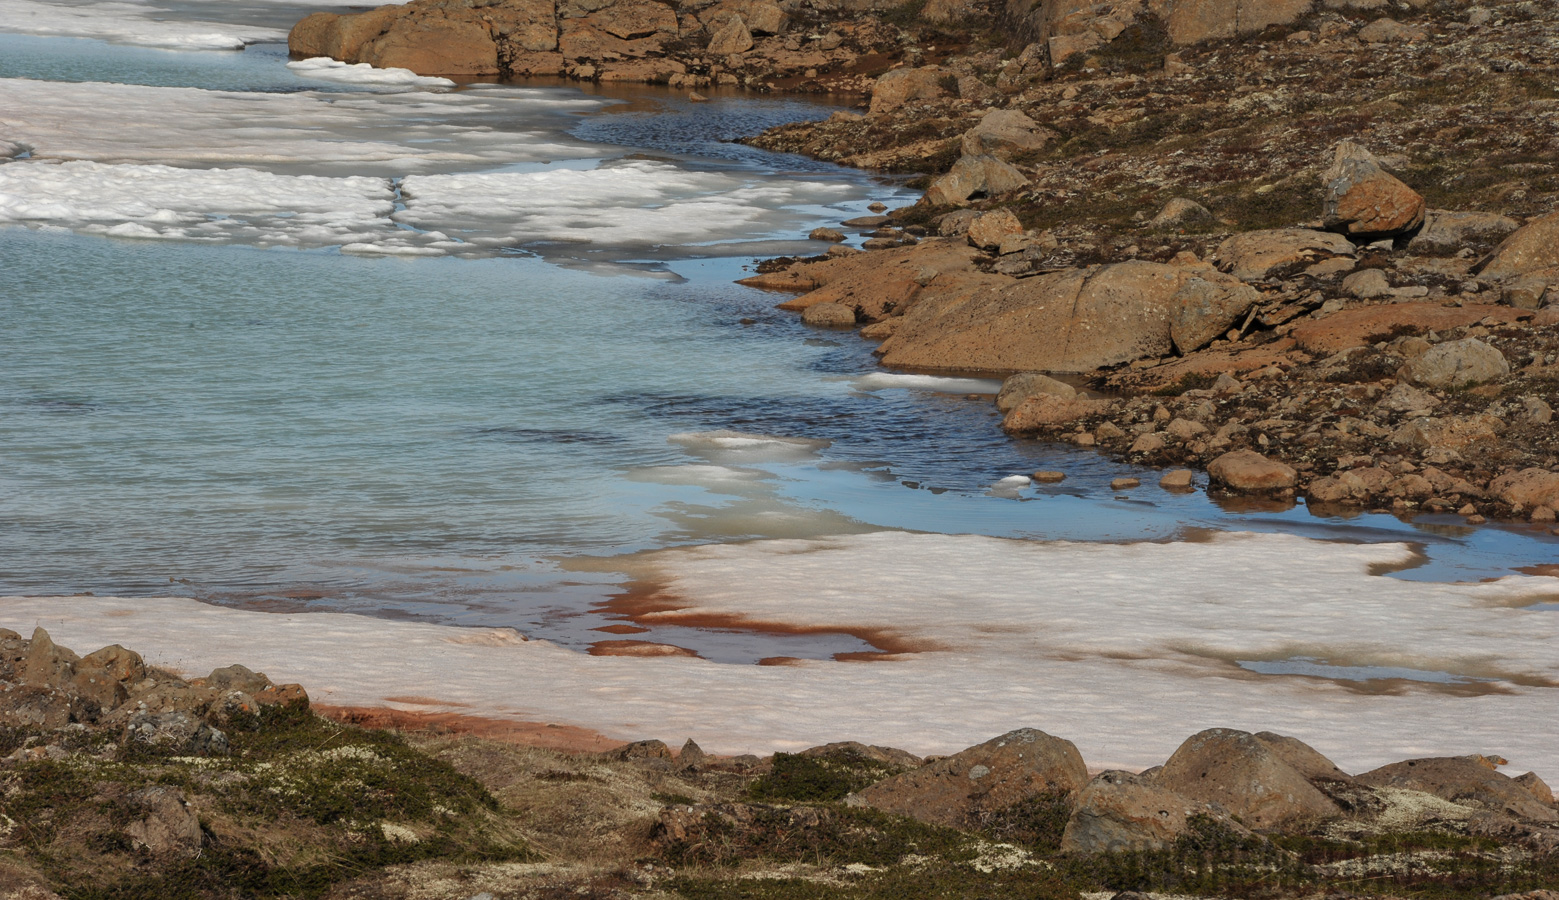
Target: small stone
[
  {"x": 1176, "y": 480},
  {"x": 1124, "y": 484},
  {"x": 1046, "y": 476},
  {"x": 1476, "y": 520},
  {"x": 988, "y": 229},
  {"x": 826, "y": 234},
  {"x": 696, "y": 97},
  {"x": 1543, "y": 514},
  {"x": 877, "y": 206},
  {"x": 1467, "y": 510}
]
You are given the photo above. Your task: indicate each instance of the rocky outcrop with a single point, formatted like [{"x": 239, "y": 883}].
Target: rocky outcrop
[
  {"x": 1532, "y": 248},
  {"x": 1071, "y": 321},
  {"x": 1069, "y": 27},
  {"x": 728, "y": 42},
  {"x": 1120, "y": 811},
  {"x": 1463, "y": 779},
  {"x": 972, "y": 177},
  {"x": 1254, "y": 255},
  {"x": 1250, "y": 778},
  {"x": 986, "y": 778},
  {"x": 1366, "y": 202},
  {"x": 46, "y": 686}
]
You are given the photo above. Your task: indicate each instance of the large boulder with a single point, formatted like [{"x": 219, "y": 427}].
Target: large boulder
[
  {"x": 1527, "y": 488},
  {"x": 1533, "y": 247},
  {"x": 974, "y": 176},
  {"x": 1041, "y": 411},
  {"x": 339, "y": 36},
  {"x": 1254, "y": 255},
  {"x": 901, "y": 87},
  {"x": 1004, "y": 132},
  {"x": 434, "y": 45},
  {"x": 992, "y": 776},
  {"x": 1072, "y": 321},
  {"x": 1457, "y": 363},
  {"x": 1365, "y": 201},
  {"x": 1122, "y": 812},
  {"x": 1465, "y": 780},
  {"x": 1022, "y": 386},
  {"x": 733, "y": 37},
  {"x": 989, "y": 229},
  {"x": 1194, "y": 21},
  {"x": 1247, "y": 470},
  {"x": 1248, "y": 777},
  {"x": 1446, "y": 231}
]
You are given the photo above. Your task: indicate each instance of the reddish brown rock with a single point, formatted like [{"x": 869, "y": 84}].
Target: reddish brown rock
[
  {"x": 1365, "y": 201},
  {"x": 904, "y": 86},
  {"x": 1247, "y": 470},
  {"x": 954, "y": 791},
  {"x": 1250, "y": 778},
  {"x": 1254, "y": 255},
  {"x": 433, "y": 45},
  {"x": 1072, "y": 321},
  {"x": 1041, "y": 411},
  {"x": 1368, "y": 325},
  {"x": 1528, "y": 488},
  {"x": 1533, "y": 247}
]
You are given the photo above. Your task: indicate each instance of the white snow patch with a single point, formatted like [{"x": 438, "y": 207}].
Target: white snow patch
[
  {"x": 1121, "y": 648},
  {"x": 324, "y": 68},
  {"x": 140, "y": 24}
]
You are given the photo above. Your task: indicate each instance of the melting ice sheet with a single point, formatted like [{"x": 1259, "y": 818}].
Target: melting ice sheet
[
  {"x": 1125, "y": 649},
  {"x": 130, "y": 23},
  {"x": 270, "y": 170}
]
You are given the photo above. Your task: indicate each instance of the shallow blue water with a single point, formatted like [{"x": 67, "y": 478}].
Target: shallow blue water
[{"x": 429, "y": 437}]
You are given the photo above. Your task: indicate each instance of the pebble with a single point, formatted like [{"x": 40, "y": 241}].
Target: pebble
[
  {"x": 1476, "y": 520},
  {"x": 1122, "y": 484},
  {"x": 1176, "y": 480},
  {"x": 1048, "y": 477}
]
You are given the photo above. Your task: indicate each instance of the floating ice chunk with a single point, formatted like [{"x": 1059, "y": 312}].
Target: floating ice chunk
[
  {"x": 877, "y": 381},
  {"x": 1010, "y": 487},
  {"x": 130, "y": 23},
  {"x": 326, "y": 69}
]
